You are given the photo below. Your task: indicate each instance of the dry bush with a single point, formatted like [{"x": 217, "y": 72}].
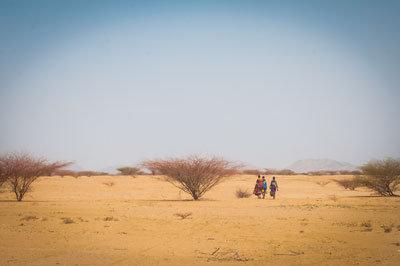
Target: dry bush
[
  {"x": 286, "y": 172},
  {"x": 251, "y": 172},
  {"x": 109, "y": 184},
  {"x": 322, "y": 183},
  {"x": 3, "y": 177},
  {"x": 333, "y": 197},
  {"x": 329, "y": 172},
  {"x": 366, "y": 224},
  {"x": 110, "y": 218},
  {"x": 88, "y": 173},
  {"x": 387, "y": 229},
  {"x": 183, "y": 215},
  {"x": 346, "y": 183},
  {"x": 269, "y": 171},
  {"x": 62, "y": 173},
  {"x": 242, "y": 193},
  {"x": 29, "y": 217},
  {"x": 67, "y": 220},
  {"x": 21, "y": 170},
  {"x": 193, "y": 175},
  {"x": 381, "y": 176}
]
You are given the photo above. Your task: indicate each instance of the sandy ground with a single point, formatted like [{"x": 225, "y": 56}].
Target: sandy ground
[{"x": 68, "y": 221}]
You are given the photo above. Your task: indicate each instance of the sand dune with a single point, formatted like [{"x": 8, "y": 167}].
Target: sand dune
[{"x": 140, "y": 221}]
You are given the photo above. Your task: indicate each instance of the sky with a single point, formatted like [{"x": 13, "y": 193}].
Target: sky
[{"x": 266, "y": 83}]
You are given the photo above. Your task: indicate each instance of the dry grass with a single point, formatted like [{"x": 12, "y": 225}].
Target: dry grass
[
  {"x": 366, "y": 224},
  {"x": 333, "y": 197},
  {"x": 109, "y": 184},
  {"x": 301, "y": 219},
  {"x": 322, "y": 183},
  {"x": 110, "y": 218},
  {"x": 28, "y": 218},
  {"x": 242, "y": 193},
  {"x": 183, "y": 215},
  {"x": 387, "y": 229},
  {"x": 67, "y": 220}
]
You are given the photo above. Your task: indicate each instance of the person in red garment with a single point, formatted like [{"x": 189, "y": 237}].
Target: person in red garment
[{"x": 258, "y": 187}]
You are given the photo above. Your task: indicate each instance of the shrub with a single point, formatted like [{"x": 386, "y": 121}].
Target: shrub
[
  {"x": 269, "y": 171},
  {"x": 366, "y": 224},
  {"x": 21, "y": 170},
  {"x": 3, "y": 174},
  {"x": 193, "y": 175},
  {"x": 322, "y": 183},
  {"x": 251, "y": 172},
  {"x": 241, "y": 193},
  {"x": 62, "y": 173},
  {"x": 110, "y": 218},
  {"x": 183, "y": 215},
  {"x": 387, "y": 229},
  {"x": 29, "y": 217},
  {"x": 346, "y": 183},
  {"x": 333, "y": 197},
  {"x": 67, "y": 220},
  {"x": 381, "y": 176},
  {"x": 87, "y": 173},
  {"x": 109, "y": 184}
]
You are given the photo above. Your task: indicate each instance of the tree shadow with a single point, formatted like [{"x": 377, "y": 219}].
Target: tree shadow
[
  {"x": 26, "y": 201},
  {"x": 375, "y": 196},
  {"x": 173, "y": 200}
]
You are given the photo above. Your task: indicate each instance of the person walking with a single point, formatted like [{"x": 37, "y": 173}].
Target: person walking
[
  {"x": 273, "y": 187},
  {"x": 264, "y": 190},
  {"x": 258, "y": 187}
]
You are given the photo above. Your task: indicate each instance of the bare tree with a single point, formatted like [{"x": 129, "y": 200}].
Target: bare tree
[
  {"x": 193, "y": 175},
  {"x": 381, "y": 176},
  {"x": 3, "y": 177},
  {"x": 21, "y": 170}
]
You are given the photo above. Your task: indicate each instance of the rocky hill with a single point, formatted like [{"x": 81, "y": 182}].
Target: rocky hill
[{"x": 308, "y": 165}]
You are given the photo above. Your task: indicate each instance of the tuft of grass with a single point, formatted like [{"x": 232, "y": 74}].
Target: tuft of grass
[
  {"x": 366, "y": 224},
  {"x": 242, "y": 193},
  {"x": 109, "y": 184},
  {"x": 67, "y": 220},
  {"x": 29, "y": 217},
  {"x": 387, "y": 229},
  {"x": 110, "y": 218},
  {"x": 183, "y": 215},
  {"x": 322, "y": 183},
  {"x": 333, "y": 197}
]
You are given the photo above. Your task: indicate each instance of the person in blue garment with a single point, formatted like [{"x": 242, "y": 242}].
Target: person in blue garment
[{"x": 264, "y": 190}]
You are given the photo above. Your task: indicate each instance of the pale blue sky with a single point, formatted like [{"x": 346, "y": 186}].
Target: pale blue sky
[{"x": 263, "y": 82}]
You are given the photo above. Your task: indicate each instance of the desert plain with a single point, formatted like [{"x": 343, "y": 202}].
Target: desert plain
[{"x": 122, "y": 220}]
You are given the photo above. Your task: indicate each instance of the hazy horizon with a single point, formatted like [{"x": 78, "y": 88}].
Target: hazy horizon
[{"x": 266, "y": 83}]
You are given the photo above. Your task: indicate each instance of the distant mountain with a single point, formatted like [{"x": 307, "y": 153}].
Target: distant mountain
[{"x": 309, "y": 165}]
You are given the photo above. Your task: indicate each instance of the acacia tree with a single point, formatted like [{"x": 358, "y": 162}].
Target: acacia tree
[
  {"x": 193, "y": 175},
  {"x": 129, "y": 171},
  {"x": 381, "y": 176},
  {"x": 3, "y": 177},
  {"x": 21, "y": 170}
]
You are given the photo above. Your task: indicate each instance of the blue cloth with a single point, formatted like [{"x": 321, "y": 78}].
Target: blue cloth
[{"x": 265, "y": 184}]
